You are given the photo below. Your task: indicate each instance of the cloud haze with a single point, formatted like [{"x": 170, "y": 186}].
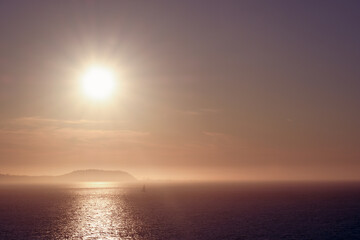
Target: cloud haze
[{"x": 231, "y": 90}]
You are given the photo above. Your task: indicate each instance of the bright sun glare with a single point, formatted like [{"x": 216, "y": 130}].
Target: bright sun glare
[{"x": 98, "y": 82}]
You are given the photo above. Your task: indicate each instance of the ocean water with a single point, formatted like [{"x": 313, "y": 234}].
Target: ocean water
[{"x": 181, "y": 211}]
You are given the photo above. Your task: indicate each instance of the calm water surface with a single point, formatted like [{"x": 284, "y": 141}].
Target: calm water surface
[{"x": 181, "y": 211}]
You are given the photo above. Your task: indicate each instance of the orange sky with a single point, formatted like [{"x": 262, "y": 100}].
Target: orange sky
[{"x": 235, "y": 90}]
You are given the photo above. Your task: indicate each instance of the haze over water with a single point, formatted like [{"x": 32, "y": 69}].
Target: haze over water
[{"x": 181, "y": 211}]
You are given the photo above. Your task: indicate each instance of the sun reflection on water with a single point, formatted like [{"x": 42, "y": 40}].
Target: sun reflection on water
[{"x": 101, "y": 212}]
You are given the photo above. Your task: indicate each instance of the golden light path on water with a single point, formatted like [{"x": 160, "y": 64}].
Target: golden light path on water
[{"x": 101, "y": 212}]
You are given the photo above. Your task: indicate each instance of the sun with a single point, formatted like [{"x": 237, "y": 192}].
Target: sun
[{"x": 98, "y": 82}]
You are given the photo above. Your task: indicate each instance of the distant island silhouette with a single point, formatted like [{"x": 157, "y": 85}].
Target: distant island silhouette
[{"x": 88, "y": 175}]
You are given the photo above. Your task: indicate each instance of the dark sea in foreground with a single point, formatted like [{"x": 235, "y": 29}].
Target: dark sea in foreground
[{"x": 181, "y": 211}]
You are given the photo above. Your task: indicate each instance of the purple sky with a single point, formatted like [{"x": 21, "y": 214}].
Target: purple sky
[{"x": 208, "y": 89}]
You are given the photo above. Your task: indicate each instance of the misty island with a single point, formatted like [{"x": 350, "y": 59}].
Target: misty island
[{"x": 89, "y": 175}]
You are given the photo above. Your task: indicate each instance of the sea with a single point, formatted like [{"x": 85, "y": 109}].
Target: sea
[{"x": 206, "y": 211}]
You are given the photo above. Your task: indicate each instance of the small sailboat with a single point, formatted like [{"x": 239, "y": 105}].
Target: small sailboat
[{"x": 143, "y": 188}]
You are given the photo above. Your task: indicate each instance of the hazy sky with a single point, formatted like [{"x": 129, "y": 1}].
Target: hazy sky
[{"x": 220, "y": 89}]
